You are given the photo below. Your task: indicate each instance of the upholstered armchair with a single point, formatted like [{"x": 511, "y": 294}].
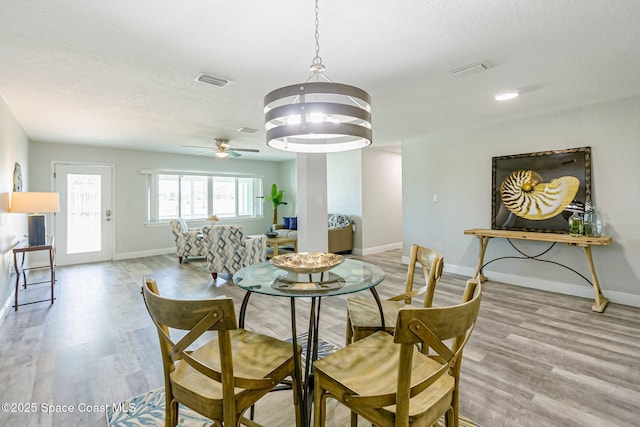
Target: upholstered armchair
[
  {"x": 227, "y": 249},
  {"x": 188, "y": 242}
]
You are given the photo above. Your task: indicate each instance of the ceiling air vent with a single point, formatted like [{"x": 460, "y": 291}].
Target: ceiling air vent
[
  {"x": 469, "y": 69},
  {"x": 211, "y": 80},
  {"x": 248, "y": 130}
]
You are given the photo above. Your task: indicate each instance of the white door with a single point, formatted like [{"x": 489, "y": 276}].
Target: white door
[{"x": 84, "y": 225}]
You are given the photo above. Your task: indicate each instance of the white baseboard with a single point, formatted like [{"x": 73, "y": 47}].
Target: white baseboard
[
  {"x": 4, "y": 310},
  {"x": 545, "y": 285},
  {"x": 141, "y": 254},
  {"x": 377, "y": 249}
]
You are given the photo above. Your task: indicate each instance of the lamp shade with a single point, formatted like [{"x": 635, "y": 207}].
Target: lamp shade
[{"x": 33, "y": 202}]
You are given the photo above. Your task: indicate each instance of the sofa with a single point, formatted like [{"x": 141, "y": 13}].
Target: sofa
[{"x": 339, "y": 227}]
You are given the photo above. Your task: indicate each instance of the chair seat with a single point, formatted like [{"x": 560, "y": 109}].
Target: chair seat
[
  {"x": 365, "y": 314},
  {"x": 254, "y": 356},
  {"x": 376, "y": 356}
]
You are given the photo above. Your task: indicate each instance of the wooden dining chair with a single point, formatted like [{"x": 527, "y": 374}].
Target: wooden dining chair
[
  {"x": 226, "y": 375},
  {"x": 363, "y": 314},
  {"x": 384, "y": 379}
]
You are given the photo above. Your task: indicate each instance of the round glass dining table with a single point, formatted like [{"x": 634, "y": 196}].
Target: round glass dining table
[{"x": 350, "y": 276}]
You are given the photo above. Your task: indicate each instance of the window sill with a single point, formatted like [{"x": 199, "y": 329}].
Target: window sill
[{"x": 199, "y": 223}]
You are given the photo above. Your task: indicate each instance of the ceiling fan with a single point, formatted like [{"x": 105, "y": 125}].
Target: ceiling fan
[{"x": 223, "y": 149}]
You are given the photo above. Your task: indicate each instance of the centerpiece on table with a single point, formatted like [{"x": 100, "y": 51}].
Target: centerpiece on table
[{"x": 307, "y": 262}]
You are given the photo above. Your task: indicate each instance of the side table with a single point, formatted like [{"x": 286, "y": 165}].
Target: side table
[
  {"x": 22, "y": 248},
  {"x": 276, "y": 242}
]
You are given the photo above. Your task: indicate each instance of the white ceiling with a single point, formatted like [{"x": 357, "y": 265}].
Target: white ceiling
[{"x": 121, "y": 73}]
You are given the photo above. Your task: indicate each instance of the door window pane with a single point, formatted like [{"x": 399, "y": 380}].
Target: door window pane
[{"x": 83, "y": 213}]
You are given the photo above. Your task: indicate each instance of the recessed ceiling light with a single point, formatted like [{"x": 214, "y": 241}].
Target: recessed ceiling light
[{"x": 506, "y": 96}]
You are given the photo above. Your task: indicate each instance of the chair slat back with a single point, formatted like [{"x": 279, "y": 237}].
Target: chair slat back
[
  {"x": 186, "y": 314},
  {"x": 432, "y": 263},
  {"x": 444, "y": 322}
]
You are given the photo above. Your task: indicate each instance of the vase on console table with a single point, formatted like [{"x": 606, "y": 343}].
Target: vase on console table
[
  {"x": 592, "y": 221},
  {"x": 576, "y": 225}
]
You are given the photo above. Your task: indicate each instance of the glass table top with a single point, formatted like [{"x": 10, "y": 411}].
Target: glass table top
[{"x": 350, "y": 276}]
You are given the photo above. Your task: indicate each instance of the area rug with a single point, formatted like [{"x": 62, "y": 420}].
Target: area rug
[
  {"x": 148, "y": 410},
  {"x": 324, "y": 348}
]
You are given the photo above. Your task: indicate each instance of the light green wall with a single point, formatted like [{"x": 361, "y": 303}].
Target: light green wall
[
  {"x": 132, "y": 236},
  {"x": 457, "y": 167},
  {"x": 14, "y": 147}
]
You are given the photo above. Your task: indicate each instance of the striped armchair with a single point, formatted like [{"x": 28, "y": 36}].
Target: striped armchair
[
  {"x": 227, "y": 250},
  {"x": 188, "y": 242}
]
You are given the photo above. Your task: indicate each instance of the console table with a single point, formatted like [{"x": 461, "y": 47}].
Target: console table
[
  {"x": 484, "y": 235},
  {"x": 22, "y": 248}
]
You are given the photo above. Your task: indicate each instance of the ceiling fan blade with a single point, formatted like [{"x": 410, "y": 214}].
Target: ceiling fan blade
[
  {"x": 201, "y": 147},
  {"x": 233, "y": 153},
  {"x": 249, "y": 150}
]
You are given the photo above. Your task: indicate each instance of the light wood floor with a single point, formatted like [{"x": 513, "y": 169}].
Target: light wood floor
[{"x": 535, "y": 359}]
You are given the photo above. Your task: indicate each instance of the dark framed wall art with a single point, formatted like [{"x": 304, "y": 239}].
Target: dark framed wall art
[{"x": 539, "y": 191}]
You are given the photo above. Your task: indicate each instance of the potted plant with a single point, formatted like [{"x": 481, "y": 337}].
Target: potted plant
[{"x": 276, "y": 200}]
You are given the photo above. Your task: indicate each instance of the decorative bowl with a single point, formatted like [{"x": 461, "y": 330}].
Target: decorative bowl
[
  {"x": 271, "y": 234},
  {"x": 307, "y": 262}
]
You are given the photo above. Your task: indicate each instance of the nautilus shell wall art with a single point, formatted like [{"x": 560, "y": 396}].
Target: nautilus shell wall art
[{"x": 526, "y": 195}]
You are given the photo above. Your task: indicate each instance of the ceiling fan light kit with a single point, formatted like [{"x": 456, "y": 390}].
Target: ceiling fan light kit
[{"x": 318, "y": 116}]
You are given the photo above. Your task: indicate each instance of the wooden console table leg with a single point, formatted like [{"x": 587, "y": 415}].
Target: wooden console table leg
[
  {"x": 484, "y": 242},
  {"x": 600, "y": 300}
]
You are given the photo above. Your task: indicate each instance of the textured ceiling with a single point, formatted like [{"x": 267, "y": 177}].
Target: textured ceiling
[{"x": 121, "y": 73}]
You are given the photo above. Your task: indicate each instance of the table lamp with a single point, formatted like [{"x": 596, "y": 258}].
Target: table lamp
[{"x": 36, "y": 205}]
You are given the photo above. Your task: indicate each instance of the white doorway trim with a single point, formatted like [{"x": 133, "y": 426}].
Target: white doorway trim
[{"x": 112, "y": 237}]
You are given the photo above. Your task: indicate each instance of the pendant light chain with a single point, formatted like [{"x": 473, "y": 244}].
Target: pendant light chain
[{"x": 317, "y": 60}]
